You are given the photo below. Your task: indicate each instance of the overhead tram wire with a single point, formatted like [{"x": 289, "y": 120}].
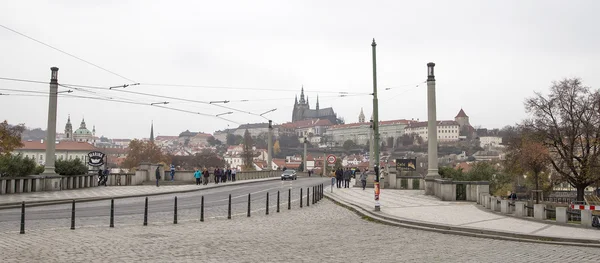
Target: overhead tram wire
[
  {"x": 248, "y": 89},
  {"x": 66, "y": 53}
]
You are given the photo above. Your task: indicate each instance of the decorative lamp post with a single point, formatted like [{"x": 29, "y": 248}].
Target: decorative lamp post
[
  {"x": 51, "y": 130},
  {"x": 375, "y": 128},
  {"x": 270, "y": 146},
  {"x": 432, "y": 139},
  {"x": 304, "y": 168}
]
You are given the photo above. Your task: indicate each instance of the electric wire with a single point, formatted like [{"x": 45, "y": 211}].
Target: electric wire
[{"x": 66, "y": 53}]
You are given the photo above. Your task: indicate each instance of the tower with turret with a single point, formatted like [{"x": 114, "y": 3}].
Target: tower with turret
[
  {"x": 302, "y": 110},
  {"x": 69, "y": 130},
  {"x": 361, "y": 116}
]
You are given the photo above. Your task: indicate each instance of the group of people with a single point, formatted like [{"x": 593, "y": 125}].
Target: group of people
[
  {"x": 220, "y": 175},
  {"x": 202, "y": 176},
  {"x": 343, "y": 176}
]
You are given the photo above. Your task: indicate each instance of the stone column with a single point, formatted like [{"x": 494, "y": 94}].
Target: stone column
[
  {"x": 561, "y": 215},
  {"x": 432, "y": 170},
  {"x": 51, "y": 131},
  {"x": 586, "y": 218},
  {"x": 504, "y": 208},
  {"x": 539, "y": 211},
  {"x": 520, "y": 209}
]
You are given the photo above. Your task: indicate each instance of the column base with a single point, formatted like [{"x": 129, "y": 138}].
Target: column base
[{"x": 430, "y": 183}]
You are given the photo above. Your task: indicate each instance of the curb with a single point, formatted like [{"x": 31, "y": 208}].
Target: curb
[
  {"x": 14, "y": 205},
  {"x": 446, "y": 229}
]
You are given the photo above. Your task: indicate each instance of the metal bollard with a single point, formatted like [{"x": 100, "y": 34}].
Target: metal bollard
[
  {"x": 307, "y": 197},
  {"x": 267, "y": 211},
  {"x": 277, "y": 201},
  {"x": 300, "y": 197},
  {"x": 112, "y": 213},
  {"x": 175, "y": 212},
  {"x": 146, "y": 212},
  {"x": 229, "y": 208},
  {"x": 249, "y": 202},
  {"x": 313, "y": 195},
  {"x": 202, "y": 209},
  {"x": 73, "y": 216},
  {"x": 289, "y": 199},
  {"x": 22, "y": 218}
]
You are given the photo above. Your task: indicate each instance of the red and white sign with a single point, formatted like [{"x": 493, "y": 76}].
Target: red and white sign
[
  {"x": 586, "y": 207},
  {"x": 331, "y": 159}
]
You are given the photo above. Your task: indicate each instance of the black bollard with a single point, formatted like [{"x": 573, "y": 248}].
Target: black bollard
[
  {"x": 249, "y": 205},
  {"x": 202, "y": 209},
  {"x": 229, "y": 208},
  {"x": 146, "y": 212},
  {"x": 289, "y": 199},
  {"x": 301, "y": 197},
  {"x": 73, "y": 216},
  {"x": 112, "y": 212},
  {"x": 307, "y": 196},
  {"x": 277, "y": 201},
  {"x": 267, "y": 211},
  {"x": 175, "y": 212},
  {"x": 22, "y": 218}
]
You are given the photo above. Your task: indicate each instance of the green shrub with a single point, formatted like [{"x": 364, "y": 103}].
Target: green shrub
[
  {"x": 16, "y": 166},
  {"x": 416, "y": 184},
  {"x": 70, "y": 167},
  {"x": 39, "y": 169}
]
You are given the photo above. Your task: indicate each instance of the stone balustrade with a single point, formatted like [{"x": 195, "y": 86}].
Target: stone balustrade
[
  {"x": 36, "y": 183},
  {"x": 540, "y": 211},
  {"x": 448, "y": 190},
  {"x": 188, "y": 176}
]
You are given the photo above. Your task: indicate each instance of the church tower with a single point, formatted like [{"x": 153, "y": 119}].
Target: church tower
[
  {"x": 152, "y": 132},
  {"x": 317, "y": 107},
  {"x": 462, "y": 119},
  {"x": 299, "y": 107},
  {"x": 361, "y": 116},
  {"x": 69, "y": 129}
]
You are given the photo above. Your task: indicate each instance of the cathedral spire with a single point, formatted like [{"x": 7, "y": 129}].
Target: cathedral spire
[
  {"x": 296, "y": 100},
  {"x": 317, "y": 102},
  {"x": 152, "y": 132},
  {"x": 361, "y": 116},
  {"x": 307, "y": 103},
  {"x": 302, "y": 101}
]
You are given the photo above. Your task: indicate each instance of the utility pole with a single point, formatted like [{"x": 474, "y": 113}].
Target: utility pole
[
  {"x": 51, "y": 130},
  {"x": 304, "y": 159},
  {"x": 375, "y": 127},
  {"x": 432, "y": 140},
  {"x": 270, "y": 146}
]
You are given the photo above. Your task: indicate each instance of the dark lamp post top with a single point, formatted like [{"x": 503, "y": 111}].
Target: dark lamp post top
[
  {"x": 430, "y": 72},
  {"x": 373, "y": 44},
  {"x": 54, "y": 75}
]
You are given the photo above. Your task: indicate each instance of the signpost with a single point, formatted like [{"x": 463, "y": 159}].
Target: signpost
[
  {"x": 95, "y": 158},
  {"x": 331, "y": 161}
]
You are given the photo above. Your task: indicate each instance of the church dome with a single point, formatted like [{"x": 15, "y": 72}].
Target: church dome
[{"x": 83, "y": 131}]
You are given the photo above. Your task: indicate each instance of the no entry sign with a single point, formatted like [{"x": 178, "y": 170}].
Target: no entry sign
[{"x": 331, "y": 159}]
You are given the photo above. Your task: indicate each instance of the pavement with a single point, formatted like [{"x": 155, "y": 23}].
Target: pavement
[
  {"x": 412, "y": 208},
  {"x": 108, "y": 192},
  {"x": 324, "y": 232}
]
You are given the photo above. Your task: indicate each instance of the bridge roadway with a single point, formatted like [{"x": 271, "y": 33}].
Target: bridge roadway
[{"x": 130, "y": 211}]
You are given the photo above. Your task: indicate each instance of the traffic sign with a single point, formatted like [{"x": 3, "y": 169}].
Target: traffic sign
[{"x": 331, "y": 159}]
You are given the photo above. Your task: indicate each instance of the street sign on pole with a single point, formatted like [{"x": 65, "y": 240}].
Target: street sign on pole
[{"x": 331, "y": 159}]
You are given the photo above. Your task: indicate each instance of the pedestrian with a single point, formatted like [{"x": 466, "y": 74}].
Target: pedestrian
[
  {"x": 228, "y": 173},
  {"x": 172, "y": 172},
  {"x": 339, "y": 175},
  {"x": 233, "y": 172},
  {"x": 105, "y": 178},
  {"x": 217, "y": 174},
  {"x": 205, "y": 175},
  {"x": 223, "y": 175},
  {"x": 157, "y": 173},
  {"x": 347, "y": 176},
  {"x": 363, "y": 178},
  {"x": 198, "y": 176}
]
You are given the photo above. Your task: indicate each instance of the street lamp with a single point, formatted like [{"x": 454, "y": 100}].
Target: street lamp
[
  {"x": 304, "y": 159},
  {"x": 432, "y": 139},
  {"x": 220, "y": 114},
  {"x": 375, "y": 127}
]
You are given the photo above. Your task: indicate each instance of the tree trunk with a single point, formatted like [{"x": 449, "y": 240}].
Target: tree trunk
[
  {"x": 580, "y": 191},
  {"x": 537, "y": 188}
]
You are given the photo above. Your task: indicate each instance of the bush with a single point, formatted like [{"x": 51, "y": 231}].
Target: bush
[
  {"x": 70, "y": 167},
  {"x": 39, "y": 169},
  {"x": 16, "y": 165}
]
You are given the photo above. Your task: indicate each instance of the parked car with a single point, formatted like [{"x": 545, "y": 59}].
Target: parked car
[{"x": 289, "y": 174}]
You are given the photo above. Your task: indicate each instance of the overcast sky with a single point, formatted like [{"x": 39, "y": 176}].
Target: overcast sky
[{"x": 489, "y": 55}]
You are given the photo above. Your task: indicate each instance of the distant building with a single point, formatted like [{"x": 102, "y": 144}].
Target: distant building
[
  {"x": 80, "y": 135},
  {"x": 447, "y": 131},
  {"x": 302, "y": 110},
  {"x": 65, "y": 150},
  {"x": 490, "y": 141}
]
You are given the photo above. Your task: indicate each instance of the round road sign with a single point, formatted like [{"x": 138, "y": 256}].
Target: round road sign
[{"x": 331, "y": 159}]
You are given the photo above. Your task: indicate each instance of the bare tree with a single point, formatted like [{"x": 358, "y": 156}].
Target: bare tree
[{"x": 568, "y": 119}]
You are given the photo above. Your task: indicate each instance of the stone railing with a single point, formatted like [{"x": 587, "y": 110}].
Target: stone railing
[
  {"x": 408, "y": 182},
  {"x": 448, "y": 190},
  {"x": 11, "y": 185},
  {"x": 540, "y": 211}
]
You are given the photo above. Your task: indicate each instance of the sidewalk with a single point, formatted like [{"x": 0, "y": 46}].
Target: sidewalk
[
  {"x": 413, "y": 207},
  {"x": 108, "y": 192}
]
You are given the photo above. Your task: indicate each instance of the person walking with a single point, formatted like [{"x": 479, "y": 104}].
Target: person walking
[
  {"x": 228, "y": 172},
  {"x": 223, "y": 176},
  {"x": 157, "y": 174},
  {"x": 233, "y": 172},
  {"x": 198, "y": 176},
  {"x": 205, "y": 175},
  {"x": 172, "y": 172},
  {"x": 339, "y": 176},
  {"x": 363, "y": 178},
  {"x": 347, "y": 176},
  {"x": 217, "y": 174}
]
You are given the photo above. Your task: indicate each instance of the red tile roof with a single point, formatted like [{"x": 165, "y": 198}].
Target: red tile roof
[{"x": 62, "y": 145}]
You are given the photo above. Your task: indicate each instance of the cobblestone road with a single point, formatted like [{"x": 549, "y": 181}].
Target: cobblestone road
[{"x": 320, "y": 233}]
